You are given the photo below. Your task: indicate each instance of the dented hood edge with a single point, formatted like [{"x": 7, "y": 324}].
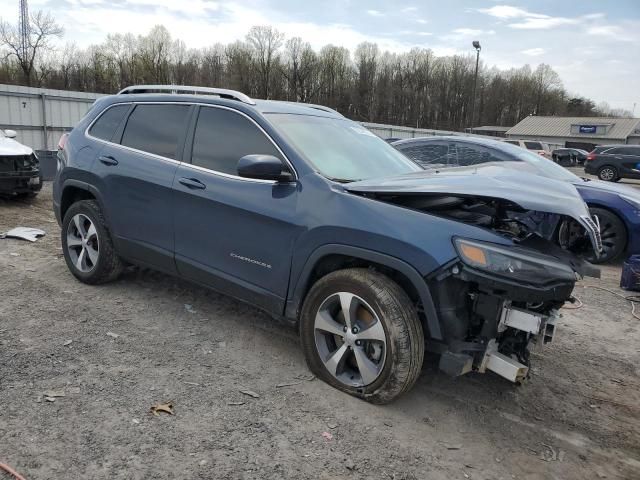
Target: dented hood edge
[{"x": 529, "y": 192}]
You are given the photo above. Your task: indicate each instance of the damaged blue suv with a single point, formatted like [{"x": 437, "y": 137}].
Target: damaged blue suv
[{"x": 310, "y": 217}]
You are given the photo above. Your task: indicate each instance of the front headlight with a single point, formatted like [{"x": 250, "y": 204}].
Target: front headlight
[{"x": 512, "y": 262}]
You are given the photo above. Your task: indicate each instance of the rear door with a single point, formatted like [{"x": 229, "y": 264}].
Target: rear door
[
  {"x": 231, "y": 233},
  {"x": 136, "y": 169}
]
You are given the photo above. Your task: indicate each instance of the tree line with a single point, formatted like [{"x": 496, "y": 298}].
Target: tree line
[{"x": 415, "y": 88}]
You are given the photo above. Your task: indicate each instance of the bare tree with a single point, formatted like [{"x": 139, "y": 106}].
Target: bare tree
[
  {"x": 42, "y": 29},
  {"x": 265, "y": 41}
]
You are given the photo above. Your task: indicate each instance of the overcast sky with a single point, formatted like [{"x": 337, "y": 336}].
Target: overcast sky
[{"x": 594, "y": 45}]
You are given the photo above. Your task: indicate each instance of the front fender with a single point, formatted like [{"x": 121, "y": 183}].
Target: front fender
[{"x": 299, "y": 287}]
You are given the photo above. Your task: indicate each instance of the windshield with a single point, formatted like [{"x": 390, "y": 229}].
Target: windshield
[
  {"x": 341, "y": 149},
  {"x": 543, "y": 165}
]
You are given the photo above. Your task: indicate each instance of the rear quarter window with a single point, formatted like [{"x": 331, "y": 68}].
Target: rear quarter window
[
  {"x": 512, "y": 142},
  {"x": 108, "y": 122}
]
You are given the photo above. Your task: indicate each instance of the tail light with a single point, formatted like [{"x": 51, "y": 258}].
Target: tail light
[
  {"x": 590, "y": 157},
  {"x": 63, "y": 141}
]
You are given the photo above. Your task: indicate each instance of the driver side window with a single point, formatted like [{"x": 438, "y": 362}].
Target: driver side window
[{"x": 222, "y": 137}]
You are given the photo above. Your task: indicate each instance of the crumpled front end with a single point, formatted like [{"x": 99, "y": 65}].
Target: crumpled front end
[
  {"x": 497, "y": 303},
  {"x": 19, "y": 174}
]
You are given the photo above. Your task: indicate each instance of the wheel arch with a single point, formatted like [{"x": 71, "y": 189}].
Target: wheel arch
[
  {"x": 592, "y": 204},
  {"x": 332, "y": 257},
  {"x": 74, "y": 191}
]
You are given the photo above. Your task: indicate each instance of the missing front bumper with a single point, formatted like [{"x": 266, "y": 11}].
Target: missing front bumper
[{"x": 533, "y": 328}]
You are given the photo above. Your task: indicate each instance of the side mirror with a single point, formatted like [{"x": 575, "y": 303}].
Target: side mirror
[
  {"x": 263, "y": 167},
  {"x": 10, "y": 133}
]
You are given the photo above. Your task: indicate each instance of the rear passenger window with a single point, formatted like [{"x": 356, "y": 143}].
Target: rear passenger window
[
  {"x": 533, "y": 145},
  {"x": 107, "y": 124},
  {"x": 465, "y": 155},
  {"x": 156, "y": 129},
  {"x": 425, "y": 153},
  {"x": 223, "y": 137}
]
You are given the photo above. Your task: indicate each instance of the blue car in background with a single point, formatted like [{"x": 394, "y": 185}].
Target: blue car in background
[{"x": 617, "y": 207}]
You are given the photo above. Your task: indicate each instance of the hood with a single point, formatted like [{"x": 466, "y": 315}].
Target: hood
[
  {"x": 529, "y": 192},
  {"x": 8, "y": 146}
]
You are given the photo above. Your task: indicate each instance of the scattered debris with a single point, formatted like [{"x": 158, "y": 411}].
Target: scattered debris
[
  {"x": 189, "y": 308},
  {"x": 50, "y": 399},
  {"x": 348, "y": 463},
  {"x": 250, "y": 393},
  {"x": 548, "y": 454},
  {"x": 327, "y": 436},
  {"x": 281, "y": 385},
  {"x": 332, "y": 426},
  {"x": 54, "y": 393},
  {"x": 112, "y": 335},
  {"x": 387, "y": 423},
  {"x": 136, "y": 421},
  {"x": 235, "y": 404},
  {"x": 24, "y": 233},
  {"x": 14, "y": 254},
  {"x": 561, "y": 454},
  {"x": 306, "y": 378},
  {"x": 453, "y": 446},
  {"x": 192, "y": 383},
  {"x": 166, "y": 407},
  {"x": 67, "y": 343}
]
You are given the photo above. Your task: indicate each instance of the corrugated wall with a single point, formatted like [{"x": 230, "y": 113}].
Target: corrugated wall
[{"x": 41, "y": 115}]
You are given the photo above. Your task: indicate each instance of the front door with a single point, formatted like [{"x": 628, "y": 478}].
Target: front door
[{"x": 231, "y": 233}]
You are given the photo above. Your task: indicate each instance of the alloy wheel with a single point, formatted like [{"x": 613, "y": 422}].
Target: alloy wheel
[
  {"x": 83, "y": 245},
  {"x": 350, "y": 339},
  {"x": 607, "y": 174}
]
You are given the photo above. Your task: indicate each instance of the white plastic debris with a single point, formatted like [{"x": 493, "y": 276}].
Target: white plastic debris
[{"x": 24, "y": 233}]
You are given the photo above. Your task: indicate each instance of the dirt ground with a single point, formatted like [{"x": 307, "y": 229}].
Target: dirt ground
[{"x": 116, "y": 350}]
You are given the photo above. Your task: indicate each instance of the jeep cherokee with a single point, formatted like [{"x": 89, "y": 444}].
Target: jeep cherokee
[{"x": 315, "y": 220}]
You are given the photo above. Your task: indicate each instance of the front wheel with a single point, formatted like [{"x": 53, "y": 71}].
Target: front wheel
[{"x": 361, "y": 334}]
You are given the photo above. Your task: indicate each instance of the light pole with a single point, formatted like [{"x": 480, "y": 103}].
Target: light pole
[{"x": 476, "y": 45}]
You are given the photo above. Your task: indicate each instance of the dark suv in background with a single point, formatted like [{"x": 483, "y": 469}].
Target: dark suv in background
[
  {"x": 312, "y": 218},
  {"x": 613, "y": 162}
]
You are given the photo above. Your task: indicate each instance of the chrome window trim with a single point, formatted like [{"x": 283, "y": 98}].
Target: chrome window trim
[{"x": 188, "y": 164}]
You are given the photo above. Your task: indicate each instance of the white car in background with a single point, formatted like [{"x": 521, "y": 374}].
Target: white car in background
[
  {"x": 19, "y": 167},
  {"x": 535, "y": 146}
]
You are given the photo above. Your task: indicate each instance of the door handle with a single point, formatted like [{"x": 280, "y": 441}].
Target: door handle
[
  {"x": 192, "y": 183},
  {"x": 108, "y": 160}
]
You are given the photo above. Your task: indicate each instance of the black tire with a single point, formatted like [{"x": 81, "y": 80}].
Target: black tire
[
  {"x": 108, "y": 266},
  {"x": 614, "y": 236},
  {"x": 608, "y": 173},
  {"x": 398, "y": 316}
]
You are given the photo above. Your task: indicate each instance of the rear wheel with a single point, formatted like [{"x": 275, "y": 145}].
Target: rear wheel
[
  {"x": 361, "y": 334},
  {"x": 87, "y": 246},
  {"x": 608, "y": 173}
]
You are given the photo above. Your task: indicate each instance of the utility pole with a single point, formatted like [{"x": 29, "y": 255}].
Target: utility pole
[
  {"x": 24, "y": 29},
  {"x": 476, "y": 45}
]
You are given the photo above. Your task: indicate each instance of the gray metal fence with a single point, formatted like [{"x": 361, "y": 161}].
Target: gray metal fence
[{"x": 41, "y": 115}]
